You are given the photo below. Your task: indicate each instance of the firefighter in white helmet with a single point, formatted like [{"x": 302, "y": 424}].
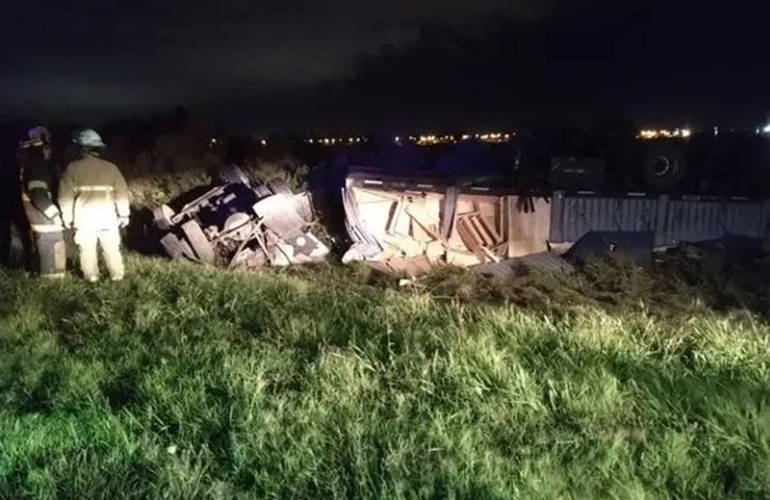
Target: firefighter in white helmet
[{"x": 93, "y": 197}]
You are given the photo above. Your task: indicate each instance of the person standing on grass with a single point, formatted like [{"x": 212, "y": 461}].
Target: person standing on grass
[
  {"x": 40, "y": 176},
  {"x": 93, "y": 196},
  {"x": 11, "y": 209}
]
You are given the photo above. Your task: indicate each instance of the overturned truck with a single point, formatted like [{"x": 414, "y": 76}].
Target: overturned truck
[
  {"x": 407, "y": 224},
  {"x": 242, "y": 224},
  {"x": 403, "y": 223}
]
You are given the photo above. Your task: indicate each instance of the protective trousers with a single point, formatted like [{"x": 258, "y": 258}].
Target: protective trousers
[
  {"x": 88, "y": 241},
  {"x": 52, "y": 254},
  {"x": 12, "y": 214}
]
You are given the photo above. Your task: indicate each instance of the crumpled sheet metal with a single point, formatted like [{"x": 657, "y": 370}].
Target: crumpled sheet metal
[{"x": 244, "y": 227}]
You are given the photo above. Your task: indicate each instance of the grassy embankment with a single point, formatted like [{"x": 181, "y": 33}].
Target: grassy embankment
[
  {"x": 188, "y": 383},
  {"x": 330, "y": 383}
]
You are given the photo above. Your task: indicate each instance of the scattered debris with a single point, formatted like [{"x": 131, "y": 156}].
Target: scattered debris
[
  {"x": 242, "y": 225},
  {"x": 721, "y": 255},
  {"x": 519, "y": 266},
  {"x": 628, "y": 246},
  {"x": 407, "y": 226},
  {"x": 410, "y": 227}
]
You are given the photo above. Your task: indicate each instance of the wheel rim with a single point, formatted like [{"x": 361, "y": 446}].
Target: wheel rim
[{"x": 663, "y": 166}]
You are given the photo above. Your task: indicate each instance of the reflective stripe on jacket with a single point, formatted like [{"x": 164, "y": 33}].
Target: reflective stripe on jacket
[
  {"x": 93, "y": 194},
  {"x": 38, "y": 184}
]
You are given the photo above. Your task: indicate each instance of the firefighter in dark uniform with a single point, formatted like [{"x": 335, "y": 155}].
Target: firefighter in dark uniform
[
  {"x": 11, "y": 208},
  {"x": 40, "y": 178}
]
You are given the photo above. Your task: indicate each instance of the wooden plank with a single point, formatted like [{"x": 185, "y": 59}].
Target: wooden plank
[
  {"x": 490, "y": 254},
  {"x": 416, "y": 212},
  {"x": 492, "y": 230},
  {"x": 529, "y": 230},
  {"x": 424, "y": 227},
  {"x": 481, "y": 228},
  {"x": 378, "y": 195},
  {"x": 511, "y": 230},
  {"x": 473, "y": 244},
  {"x": 462, "y": 259},
  {"x": 420, "y": 209},
  {"x": 399, "y": 223},
  {"x": 404, "y": 222},
  {"x": 472, "y": 224},
  {"x": 432, "y": 209},
  {"x": 381, "y": 203},
  {"x": 449, "y": 212},
  {"x": 501, "y": 250},
  {"x": 409, "y": 225},
  {"x": 504, "y": 225},
  {"x": 500, "y": 219},
  {"x": 395, "y": 209}
]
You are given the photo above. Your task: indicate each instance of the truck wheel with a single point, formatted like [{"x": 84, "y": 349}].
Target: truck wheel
[
  {"x": 664, "y": 168},
  {"x": 161, "y": 216},
  {"x": 198, "y": 241},
  {"x": 175, "y": 247}
]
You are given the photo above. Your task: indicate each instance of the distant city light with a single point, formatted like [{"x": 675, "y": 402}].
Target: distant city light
[
  {"x": 656, "y": 134},
  {"x": 420, "y": 140},
  {"x": 766, "y": 129}
]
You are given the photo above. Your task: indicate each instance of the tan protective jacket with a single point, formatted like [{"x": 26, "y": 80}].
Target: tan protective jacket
[{"x": 93, "y": 195}]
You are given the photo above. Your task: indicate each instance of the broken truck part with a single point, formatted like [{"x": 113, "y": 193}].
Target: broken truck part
[
  {"x": 406, "y": 224},
  {"x": 410, "y": 225},
  {"x": 242, "y": 225}
]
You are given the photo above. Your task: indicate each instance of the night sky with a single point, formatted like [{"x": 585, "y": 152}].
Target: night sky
[{"x": 294, "y": 63}]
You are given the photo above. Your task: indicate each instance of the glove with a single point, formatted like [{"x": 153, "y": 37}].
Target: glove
[{"x": 123, "y": 221}]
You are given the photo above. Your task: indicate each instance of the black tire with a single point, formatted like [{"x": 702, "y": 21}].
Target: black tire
[
  {"x": 279, "y": 186},
  {"x": 202, "y": 247},
  {"x": 175, "y": 247},
  {"x": 161, "y": 217},
  {"x": 664, "y": 168}
]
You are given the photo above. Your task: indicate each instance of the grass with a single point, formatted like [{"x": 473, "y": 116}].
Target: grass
[{"x": 182, "y": 382}]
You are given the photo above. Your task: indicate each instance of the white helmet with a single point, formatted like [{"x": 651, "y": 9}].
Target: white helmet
[{"x": 88, "y": 138}]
